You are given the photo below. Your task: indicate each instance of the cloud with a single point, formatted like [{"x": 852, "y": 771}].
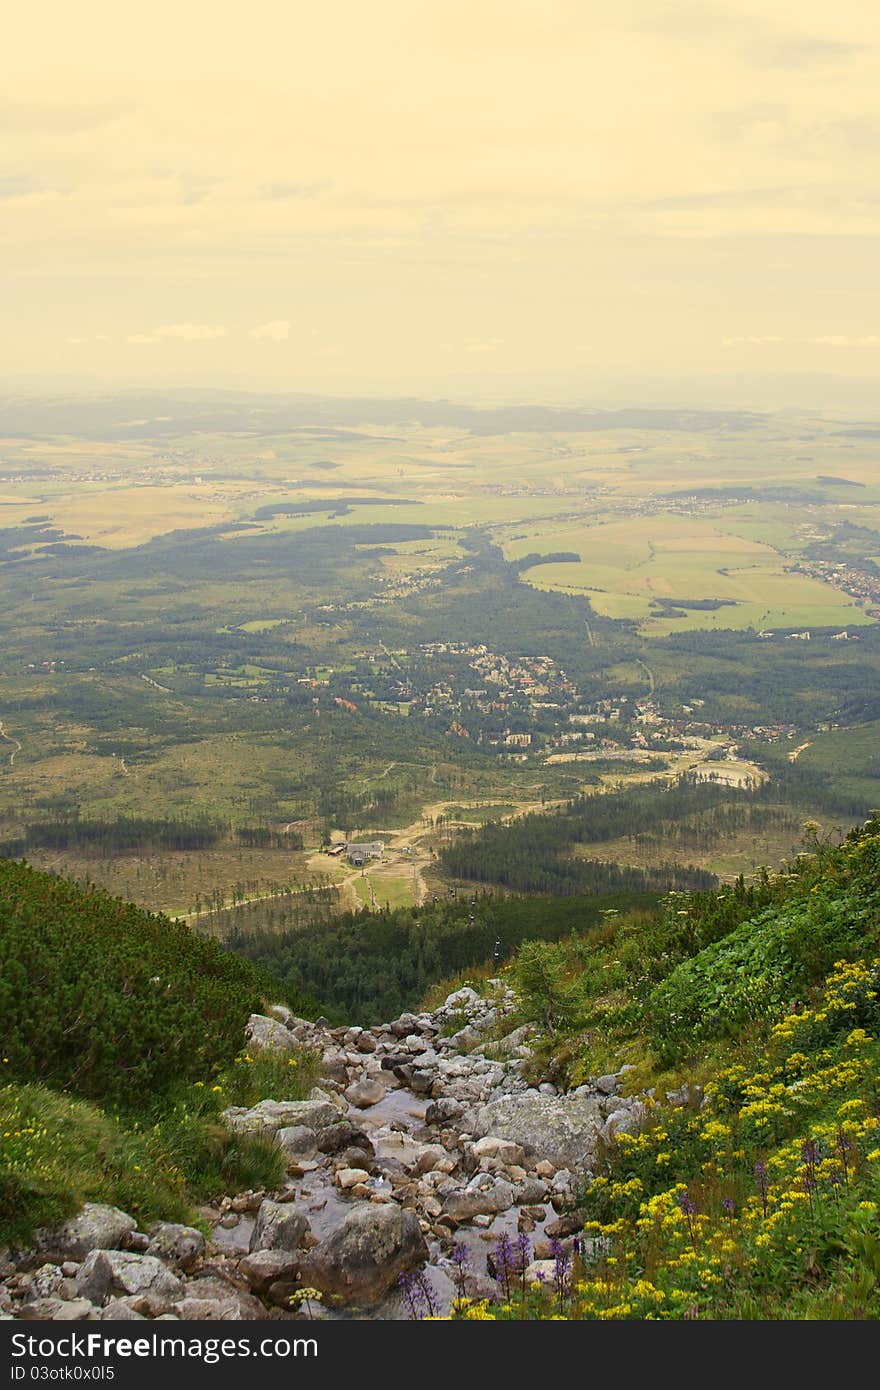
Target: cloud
[
  {"x": 277, "y": 330},
  {"x": 842, "y": 340},
  {"x": 752, "y": 339},
  {"x": 834, "y": 340},
  {"x": 802, "y": 50},
  {"x": 483, "y": 344},
  {"x": 183, "y": 332},
  {"x": 281, "y": 191}
]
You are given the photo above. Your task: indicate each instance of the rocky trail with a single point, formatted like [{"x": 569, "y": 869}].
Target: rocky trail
[{"x": 423, "y": 1146}]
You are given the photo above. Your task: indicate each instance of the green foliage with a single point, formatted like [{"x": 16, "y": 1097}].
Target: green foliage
[
  {"x": 367, "y": 967},
  {"x": 110, "y": 1002},
  {"x": 771, "y": 958}
]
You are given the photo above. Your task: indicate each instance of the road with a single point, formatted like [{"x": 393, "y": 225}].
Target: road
[{"x": 10, "y": 739}]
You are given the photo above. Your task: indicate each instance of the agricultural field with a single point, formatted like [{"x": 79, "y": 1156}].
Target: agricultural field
[{"x": 360, "y": 617}]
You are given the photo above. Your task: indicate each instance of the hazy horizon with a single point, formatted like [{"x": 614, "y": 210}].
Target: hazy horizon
[{"x": 519, "y": 200}]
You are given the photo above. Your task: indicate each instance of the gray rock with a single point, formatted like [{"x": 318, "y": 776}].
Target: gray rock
[
  {"x": 341, "y": 1136},
  {"x": 443, "y": 1111},
  {"x": 606, "y": 1084},
  {"x": 365, "y": 1093},
  {"x": 464, "y": 1204},
  {"x": 298, "y": 1141},
  {"x": 364, "y": 1256},
  {"x": 627, "y": 1120},
  {"x": 181, "y": 1245},
  {"x": 108, "y": 1273},
  {"x": 279, "y": 1226},
  {"x": 269, "y": 1035},
  {"x": 271, "y": 1115},
  {"x": 96, "y": 1227},
  {"x": 563, "y": 1129}
]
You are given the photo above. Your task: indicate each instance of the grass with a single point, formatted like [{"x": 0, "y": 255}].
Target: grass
[
  {"x": 626, "y": 567},
  {"x": 58, "y": 1152}
]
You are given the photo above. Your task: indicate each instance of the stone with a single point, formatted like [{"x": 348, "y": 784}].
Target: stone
[
  {"x": 266, "y": 1267},
  {"x": 606, "y": 1084},
  {"x": 118, "y": 1309},
  {"x": 364, "y": 1256},
  {"x": 279, "y": 1226},
  {"x": 464, "y": 1204},
  {"x": 363, "y": 1094},
  {"x": 501, "y": 1150},
  {"x": 350, "y": 1177},
  {"x": 108, "y": 1273},
  {"x": 566, "y": 1225},
  {"x": 75, "y": 1310},
  {"x": 271, "y": 1115},
  {"x": 180, "y": 1245},
  {"x": 343, "y": 1135},
  {"x": 628, "y": 1120},
  {"x": 96, "y": 1227},
  {"x": 298, "y": 1141},
  {"x": 365, "y": 1042},
  {"x": 444, "y": 1110},
  {"x": 216, "y": 1300},
  {"x": 544, "y": 1168},
  {"x": 563, "y": 1129},
  {"x": 269, "y": 1035}
]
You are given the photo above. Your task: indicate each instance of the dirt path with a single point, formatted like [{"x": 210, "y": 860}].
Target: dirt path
[
  {"x": 796, "y": 752},
  {"x": 10, "y": 739}
]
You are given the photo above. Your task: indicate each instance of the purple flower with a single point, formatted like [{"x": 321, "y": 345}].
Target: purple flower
[
  {"x": 727, "y": 1204},
  {"x": 688, "y": 1206}
]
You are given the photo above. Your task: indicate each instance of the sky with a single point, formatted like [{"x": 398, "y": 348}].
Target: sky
[{"x": 532, "y": 198}]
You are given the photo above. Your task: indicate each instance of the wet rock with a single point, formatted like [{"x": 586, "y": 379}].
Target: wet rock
[
  {"x": 96, "y": 1227},
  {"x": 464, "y": 1204},
  {"x": 343, "y": 1135},
  {"x": 350, "y": 1177},
  {"x": 567, "y": 1225},
  {"x": 279, "y": 1226},
  {"x": 363, "y": 1094},
  {"x": 179, "y": 1245},
  {"x": 364, "y": 1256},
  {"x": 108, "y": 1273}
]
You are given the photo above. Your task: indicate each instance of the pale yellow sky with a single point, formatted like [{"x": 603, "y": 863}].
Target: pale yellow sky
[{"x": 415, "y": 191}]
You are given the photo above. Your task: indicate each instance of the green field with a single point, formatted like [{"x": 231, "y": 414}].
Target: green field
[{"x": 639, "y": 567}]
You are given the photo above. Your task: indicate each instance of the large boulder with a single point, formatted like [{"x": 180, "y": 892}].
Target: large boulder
[
  {"x": 271, "y": 1115},
  {"x": 114, "y": 1273},
  {"x": 279, "y": 1226},
  {"x": 269, "y": 1035},
  {"x": 563, "y": 1129},
  {"x": 96, "y": 1227},
  {"x": 366, "y": 1254}
]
